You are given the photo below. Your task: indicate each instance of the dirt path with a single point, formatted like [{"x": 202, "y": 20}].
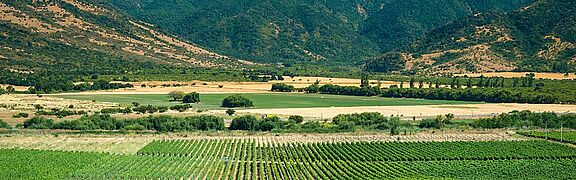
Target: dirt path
[{"x": 408, "y": 112}]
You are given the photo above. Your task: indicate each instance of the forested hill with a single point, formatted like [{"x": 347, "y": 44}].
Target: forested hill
[
  {"x": 539, "y": 37},
  {"x": 305, "y": 30},
  {"x": 76, "y": 38}
]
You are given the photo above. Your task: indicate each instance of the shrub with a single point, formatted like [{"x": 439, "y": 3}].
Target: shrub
[
  {"x": 135, "y": 127},
  {"x": 150, "y": 109},
  {"x": 296, "y": 119},
  {"x": 236, "y": 101},
  {"x": 312, "y": 89},
  {"x": 38, "y": 123},
  {"x": 135, "y": 104},
  {"x": 21, "y": 115},
  {"x": 247, "y": 122},
  {"x": 282, "y": 87},
  {"x": 230, "y": 112},
  {"x": 176, "y": 95},
  {"x": 437, "y": 122},
  {"x": 4, "y": 125},
  {"x": 181, "y": 108},
  {"x": 192, "y": 97}
]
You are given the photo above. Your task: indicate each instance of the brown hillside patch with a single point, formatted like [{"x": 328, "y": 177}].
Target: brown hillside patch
[
  {"x": 17, "y": 17},
  {"x": 86, "y": 7},
  {"x": 554, "y": 48},
  {"x": 64, "y": 18},
  {"x": 133, "y": 50}
]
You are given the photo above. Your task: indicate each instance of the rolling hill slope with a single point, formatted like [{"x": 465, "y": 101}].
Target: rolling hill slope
[
  {"x": 76, "y": 37},
  {"x": 347, "y": 31},
  {"x": 539, "y": 37}
]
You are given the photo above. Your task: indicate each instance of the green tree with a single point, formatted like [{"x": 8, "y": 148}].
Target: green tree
[
  {"x": 176, "y": 95},
  {"x": 412, "y": 83},
  {"x": 38, "y": 107},
  {"x": 230, "y": 112},
  {"x": 282, "y": 87},
  {"x": 10, "y": 90},
  {"x": 247, "y": 122},
  {"x": 386, "y": 63},
  {"x": 192, "y": 97},
  {"x": 364, "y": 81},
  {"x": 296, "y": 119},
  {"x": 312, "y": 89},
  {"x": 236, "y": 100}
]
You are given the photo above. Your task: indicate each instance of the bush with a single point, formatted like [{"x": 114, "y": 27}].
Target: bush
[
  {"x": 181, "y": 108},
  {"x": 192, "y": 97},
  {"x": 282, "y": 87},
  {"x": 116, "y": 110},
  {"x": 236, "y": 101},
  {"x": 21, "y": 115},
  {"x": 150, "y": 109},
  {"x": 296, "y": 119},
  {"x": 362, "y": 119},
  {"x": 38, "y": 123},
  {"x": 135, "y": 127},
  {"x": 437, "y": 122},
  {"x": 176, "y": 95},
  {"x": 312, "y": 89},
  {"x": 4, "y": 125},
  {"x": 247, "y": 122},
  {"x": 230, "y": 112}
]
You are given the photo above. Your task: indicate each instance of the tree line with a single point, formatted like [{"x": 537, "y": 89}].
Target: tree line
[
  {"x": 106, "y": 122},
  {"x": 527, "y": 119}
]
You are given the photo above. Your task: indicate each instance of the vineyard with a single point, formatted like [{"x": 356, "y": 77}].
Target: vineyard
[
  {"x": 254, "y": 159},
  {"x": 569, "y": 136}
]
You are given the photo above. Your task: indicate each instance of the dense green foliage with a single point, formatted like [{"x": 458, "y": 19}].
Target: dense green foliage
[
  {"x": 282, "y": 87},
  {"x": 369, "y": 120},
  {"x": 251, "y": 123},
  {"x": 192, "y": 97},
  {"x": 155, "y": 123},
  {"x": 565, "y": 136},
  {"x": 286, "y": 31},
  {"x": 439, "y": 122},
  {"x": 349, "y": 90},
  {"x": 388, "y": 62},
  {"x": 521, "y": 119},
  {"x": 495, "y": 95},
  {"x": 236, "y": 100}
]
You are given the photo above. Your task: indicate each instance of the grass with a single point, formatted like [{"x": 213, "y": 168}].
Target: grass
[{"x": 268, "y": 100}]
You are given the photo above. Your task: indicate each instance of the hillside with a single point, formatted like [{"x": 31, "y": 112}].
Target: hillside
[
  {"x": 539, "y": 37},
  {"x": 75, "y": 38},
  {"x": 346, "y": 31}
]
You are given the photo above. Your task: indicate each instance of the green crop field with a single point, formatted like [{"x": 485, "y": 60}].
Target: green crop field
[
  {"x": 566, "y": 136},
  {"x": 251, "y": 159},
  {"x": 267, "y": 100}
]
